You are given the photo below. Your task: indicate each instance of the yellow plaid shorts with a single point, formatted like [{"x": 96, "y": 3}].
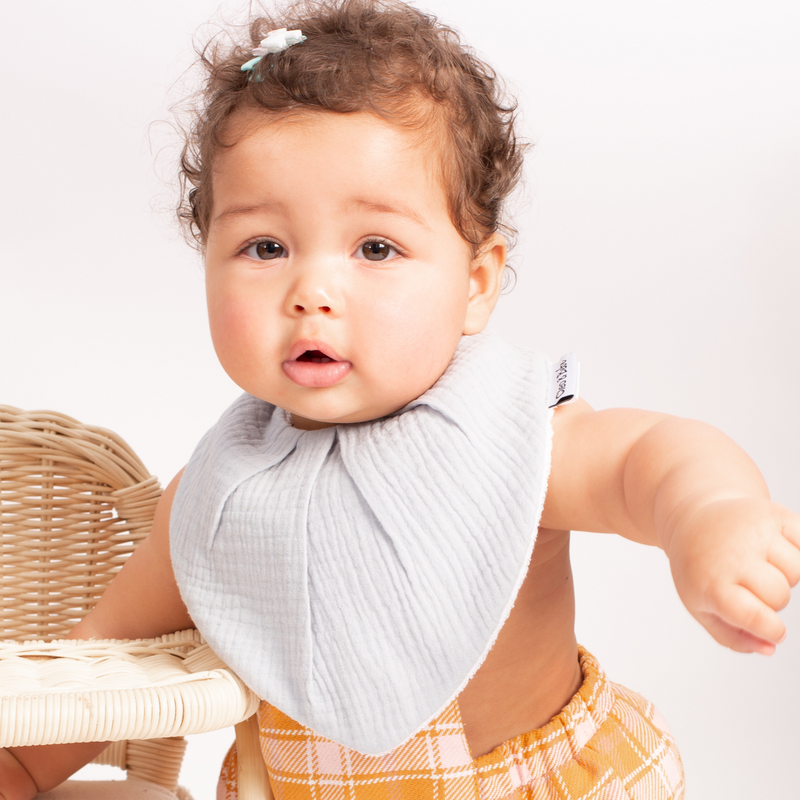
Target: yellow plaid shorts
[{"x": 607, "y": 744}]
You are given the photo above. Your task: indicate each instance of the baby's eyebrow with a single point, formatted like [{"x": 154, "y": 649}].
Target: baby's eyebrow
[
  {"x": 392, "y": 208},
  {"x": 225, "y": 215},
  {"x": 396, "y": 209}
]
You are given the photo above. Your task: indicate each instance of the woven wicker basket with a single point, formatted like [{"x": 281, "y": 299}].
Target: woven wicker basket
[{"x": 74, "y": 503}]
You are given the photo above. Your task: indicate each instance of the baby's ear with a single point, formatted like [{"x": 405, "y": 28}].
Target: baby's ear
[{"x": 485, "y": 282}]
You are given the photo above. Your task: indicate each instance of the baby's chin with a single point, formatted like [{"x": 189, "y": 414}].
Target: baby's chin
[
  {"x": 354, "y": 400},
  {"x": 306, "y": 424},
  {"x": 313, "y": 423}
]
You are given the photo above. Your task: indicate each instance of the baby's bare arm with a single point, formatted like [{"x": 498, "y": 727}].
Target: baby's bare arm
[
  {"x": 686, "y": 487},
  {"x": 141, "y": 602}
]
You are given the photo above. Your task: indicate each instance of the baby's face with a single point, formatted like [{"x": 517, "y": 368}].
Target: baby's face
[{"x": 337, "y": 285}]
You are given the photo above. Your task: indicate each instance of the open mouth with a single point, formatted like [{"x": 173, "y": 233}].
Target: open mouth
[
  {"x": 315, "y": 357},
  {"x": 314, "y": 367}
]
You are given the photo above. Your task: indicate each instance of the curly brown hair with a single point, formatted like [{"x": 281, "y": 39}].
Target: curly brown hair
[{"x": 381, "y": 56}]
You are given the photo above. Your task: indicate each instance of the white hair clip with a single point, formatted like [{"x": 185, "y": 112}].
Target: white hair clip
[{"x": 273, "y": 42}]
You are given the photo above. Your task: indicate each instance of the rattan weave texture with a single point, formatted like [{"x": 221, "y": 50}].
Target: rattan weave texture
[
  {"x": 73, "y": 691},
  {"x": 75, "y": 501}
]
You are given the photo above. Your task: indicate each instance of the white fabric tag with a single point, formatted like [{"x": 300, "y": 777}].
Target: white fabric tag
[{"x": 564, "y": 381}]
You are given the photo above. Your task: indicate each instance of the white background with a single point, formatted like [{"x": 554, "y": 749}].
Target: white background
[{"x": 659, "y": 238}]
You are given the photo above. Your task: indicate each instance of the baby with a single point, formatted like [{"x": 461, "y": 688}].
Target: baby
[{"x": 376, "y": 536}]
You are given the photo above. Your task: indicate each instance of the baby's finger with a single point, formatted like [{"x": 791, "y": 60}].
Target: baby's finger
[
  {"x": 740, "y": 608},
  {"x": 769, "y": 584},
  {"x": 735, "y": 638},
  {"x": 790, "y": 525},
  {"x": 786, "y": 557}
]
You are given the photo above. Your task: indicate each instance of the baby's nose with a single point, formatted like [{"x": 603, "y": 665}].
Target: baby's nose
[
  {"x": 315, "y": 292},
  {"x": 325, "y": 309}
]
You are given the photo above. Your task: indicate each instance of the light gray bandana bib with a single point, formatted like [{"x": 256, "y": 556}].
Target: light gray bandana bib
[{"x": 356, "y": 576}]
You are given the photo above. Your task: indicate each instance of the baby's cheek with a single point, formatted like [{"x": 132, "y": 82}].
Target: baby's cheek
[
  {"x": 411, "y": 338},
  {"x": 235, "y": 331}
]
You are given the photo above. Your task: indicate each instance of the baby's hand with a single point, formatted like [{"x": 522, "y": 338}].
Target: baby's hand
[{"x": 734, "y": 563}]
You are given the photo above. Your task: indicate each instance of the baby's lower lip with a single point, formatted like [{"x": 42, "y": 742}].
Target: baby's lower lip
[{"x": 316, "y": 375}]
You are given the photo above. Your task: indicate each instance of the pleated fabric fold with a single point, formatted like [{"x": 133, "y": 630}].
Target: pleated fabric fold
[{"x": 355, "y": 577}]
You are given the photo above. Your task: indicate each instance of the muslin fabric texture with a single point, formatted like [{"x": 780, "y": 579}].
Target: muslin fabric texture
[{"x": 356, "y": 576}]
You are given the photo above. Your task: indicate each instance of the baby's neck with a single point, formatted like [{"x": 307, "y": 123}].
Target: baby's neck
[{"x": 307, "y": 424}]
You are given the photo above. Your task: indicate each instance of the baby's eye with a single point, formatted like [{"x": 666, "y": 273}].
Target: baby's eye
[
  {"x": 265, "y": 250},
  {"x": 376, "y": 250}
]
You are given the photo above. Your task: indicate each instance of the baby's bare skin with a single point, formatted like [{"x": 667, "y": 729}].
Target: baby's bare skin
[{"x": 532, "y": 671}]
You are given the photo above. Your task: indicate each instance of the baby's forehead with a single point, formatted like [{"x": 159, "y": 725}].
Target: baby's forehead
[
  {"x": 264, "y": 133},
  {"x": 376, "y": 164},
  {"x": 422, "y": 130}
]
